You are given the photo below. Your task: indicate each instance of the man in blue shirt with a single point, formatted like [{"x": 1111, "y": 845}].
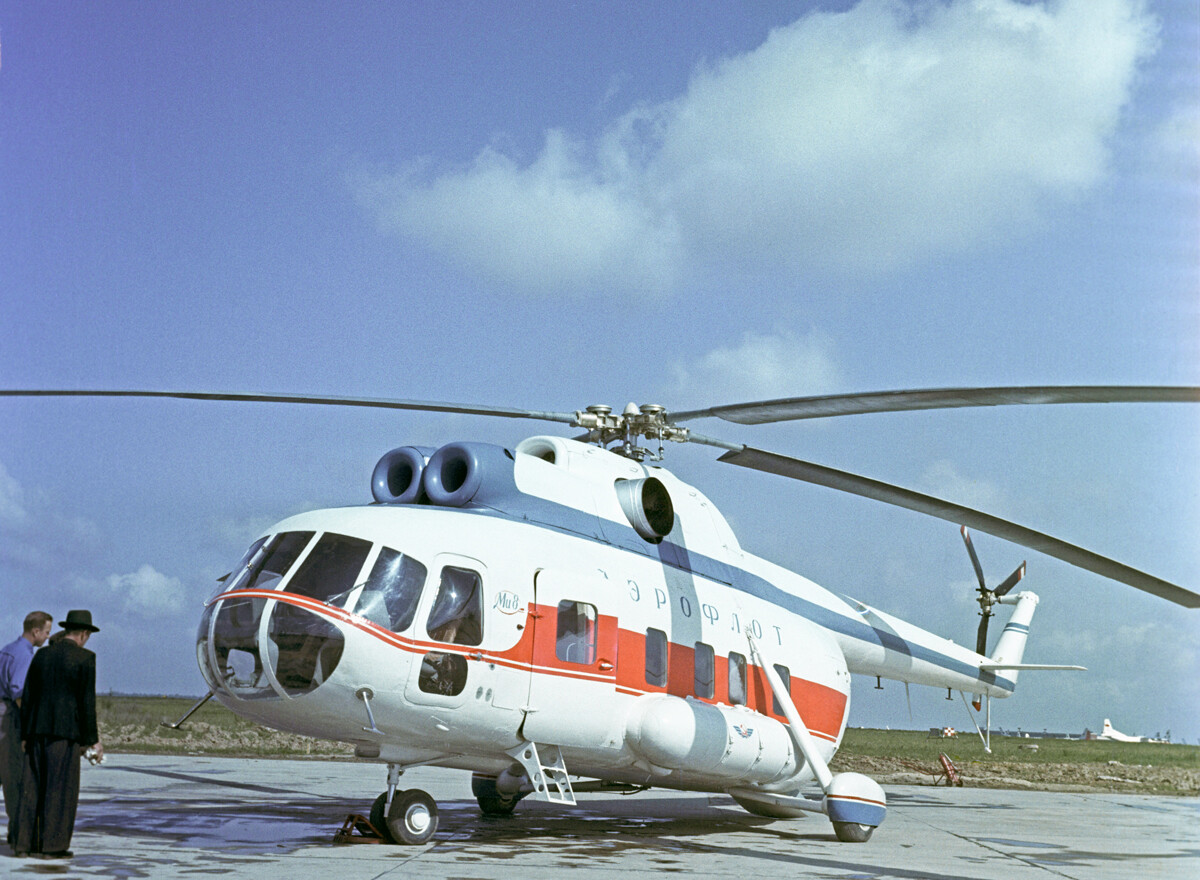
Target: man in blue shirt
[{"x": 15, "y": 658}]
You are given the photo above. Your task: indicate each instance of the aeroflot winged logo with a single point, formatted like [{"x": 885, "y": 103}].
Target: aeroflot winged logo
[
  {"x": 743, "y": 731},
  {"x": 507, "y": 602}
]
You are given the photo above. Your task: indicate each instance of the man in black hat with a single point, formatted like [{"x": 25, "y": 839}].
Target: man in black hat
[{"x": 58, "y": 722}]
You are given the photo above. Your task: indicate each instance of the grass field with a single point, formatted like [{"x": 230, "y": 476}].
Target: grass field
[
  {"x": 919, "y": 746},
  {"x": 134, "y": 724}
]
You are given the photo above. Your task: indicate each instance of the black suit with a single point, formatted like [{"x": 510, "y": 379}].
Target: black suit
[{"x": 58, "y": 716}]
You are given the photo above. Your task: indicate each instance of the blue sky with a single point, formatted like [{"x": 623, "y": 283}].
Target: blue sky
[{"x": 547, "y": 205}]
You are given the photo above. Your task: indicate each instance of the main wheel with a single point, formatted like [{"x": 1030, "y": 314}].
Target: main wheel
[
  {"x": 413, "y": 818},
  {"x": 852, "y": 832},
  {"x": 491, "y": 802},
  {"x": 378, "y": 817}
]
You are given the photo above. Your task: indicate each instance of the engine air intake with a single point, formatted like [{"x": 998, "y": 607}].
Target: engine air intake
[
  {"x": 647, "y": 505},
  {"x": 397, "y": 476}
]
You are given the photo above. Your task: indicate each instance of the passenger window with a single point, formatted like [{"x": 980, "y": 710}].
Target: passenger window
[
  {"x": 656, "y": 657},
  {"x": 331, "y": 568},
  {"x": 271, "y": 562},
  {"x": 390, "y": 595},
  {"x": 706, "y": 670},
  {"x": 737, "y": 679},
  {"x": 575, "y": 641},
  {"x": 785, "y": 675},
  {"x": 457, "y": 613}
]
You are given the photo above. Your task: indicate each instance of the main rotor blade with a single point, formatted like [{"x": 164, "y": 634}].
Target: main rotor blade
[
  {"x": 378, "y": 403},
  {"x": 789, "y": 408},
  {"x": 847, "y": 482}
]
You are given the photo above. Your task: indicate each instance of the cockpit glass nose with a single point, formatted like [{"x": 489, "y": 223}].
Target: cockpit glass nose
[
  {"x": 300, "y": 652},
  {"x": 239, "y": 665},
  {"x": 305, "y": 648}
]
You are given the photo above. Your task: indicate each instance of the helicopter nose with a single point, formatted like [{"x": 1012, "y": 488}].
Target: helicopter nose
[{"x": 255, "y": 648}]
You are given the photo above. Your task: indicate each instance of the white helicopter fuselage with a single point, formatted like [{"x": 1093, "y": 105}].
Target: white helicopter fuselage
[{"x": 537, "y": 610}]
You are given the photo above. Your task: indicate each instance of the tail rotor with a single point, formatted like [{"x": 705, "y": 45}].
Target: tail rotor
[{"x": 988, "y": 597}]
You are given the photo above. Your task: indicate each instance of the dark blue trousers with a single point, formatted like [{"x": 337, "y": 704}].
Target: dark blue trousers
[{"x": 49, "y": 796}]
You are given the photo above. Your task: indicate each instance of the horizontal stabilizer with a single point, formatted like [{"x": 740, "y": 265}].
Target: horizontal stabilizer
[{"x": 996, "y": 667}]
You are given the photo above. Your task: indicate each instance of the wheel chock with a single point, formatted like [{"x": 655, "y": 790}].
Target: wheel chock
[{"x": 358, "y": 829}]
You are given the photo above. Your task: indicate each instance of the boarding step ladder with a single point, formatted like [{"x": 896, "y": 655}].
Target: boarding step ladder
[{"x": 546, "y": 770}]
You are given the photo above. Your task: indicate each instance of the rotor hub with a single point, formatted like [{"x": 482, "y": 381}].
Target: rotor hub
[{"x": 626, "y": 429}]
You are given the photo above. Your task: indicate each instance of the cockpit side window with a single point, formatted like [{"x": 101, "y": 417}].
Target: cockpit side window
[
  {"x": 331, "y": 567},
  {"x": 270, "y": 561},
  {"x": 457, "y": 614},
  {"x": 390, "y": 596}
]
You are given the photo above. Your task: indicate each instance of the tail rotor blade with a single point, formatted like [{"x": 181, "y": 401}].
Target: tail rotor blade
[
  {"x": 966, "y": 534},
  {"x": 1011, "y": 581},
  {"x": 981, "y": 637}
]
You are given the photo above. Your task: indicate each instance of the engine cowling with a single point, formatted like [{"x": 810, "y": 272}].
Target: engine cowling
[{"x": 461, "y": 473}]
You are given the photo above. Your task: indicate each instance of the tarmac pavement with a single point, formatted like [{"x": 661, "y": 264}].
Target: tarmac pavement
[{"x": 167, "y": 816}]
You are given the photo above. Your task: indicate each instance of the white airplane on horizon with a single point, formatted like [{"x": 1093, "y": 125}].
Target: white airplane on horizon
[{"x": 1111, "y": 733}]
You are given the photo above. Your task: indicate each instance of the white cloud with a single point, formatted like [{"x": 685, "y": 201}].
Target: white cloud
[
  {"x": 548, "y": 226},
  {"x": 760, "y": 367},
  {"x": 37, "y": 534},
  {"x": 943, "y": 480},
  {"x": 1174, "y": 146},
  {"x": 148, "y": 592},
  {"x": 856, "y": 141},
  {"x": 12, "y": 501}
]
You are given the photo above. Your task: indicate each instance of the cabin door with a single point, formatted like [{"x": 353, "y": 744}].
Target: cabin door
[{"x": 572, "y": 682}]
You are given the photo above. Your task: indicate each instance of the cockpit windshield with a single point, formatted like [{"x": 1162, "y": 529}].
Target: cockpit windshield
[
  {"x": 331, "y": 568},
  {"x": 267, "y": 562},
  {"x": 390, "y": 595}
]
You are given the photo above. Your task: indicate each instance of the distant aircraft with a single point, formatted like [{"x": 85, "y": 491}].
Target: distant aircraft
[{"x": 1111, "y": 733}]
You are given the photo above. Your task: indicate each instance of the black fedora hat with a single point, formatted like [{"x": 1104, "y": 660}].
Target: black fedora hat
[{"x": 79, "y": 619}]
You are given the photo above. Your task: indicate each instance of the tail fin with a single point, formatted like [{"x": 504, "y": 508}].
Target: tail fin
[{"x": 1011, "y": 646}]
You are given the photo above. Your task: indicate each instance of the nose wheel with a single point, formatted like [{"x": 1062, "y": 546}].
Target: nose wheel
[{"x": 412, "y": 819}]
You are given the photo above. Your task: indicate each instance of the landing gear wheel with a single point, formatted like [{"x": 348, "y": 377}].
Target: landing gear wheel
[
  {"x": 413, "y": 818},
  {"x": 491, "y": 802},
  {"x": 378, "y": 818},
  {"x": 852, "y": 832}
]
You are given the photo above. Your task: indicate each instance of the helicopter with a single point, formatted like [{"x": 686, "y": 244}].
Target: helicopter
[{"x": 569, "y": 616}]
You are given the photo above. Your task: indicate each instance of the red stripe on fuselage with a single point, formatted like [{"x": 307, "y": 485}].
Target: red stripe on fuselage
[{"x": 822, "y": 708}]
